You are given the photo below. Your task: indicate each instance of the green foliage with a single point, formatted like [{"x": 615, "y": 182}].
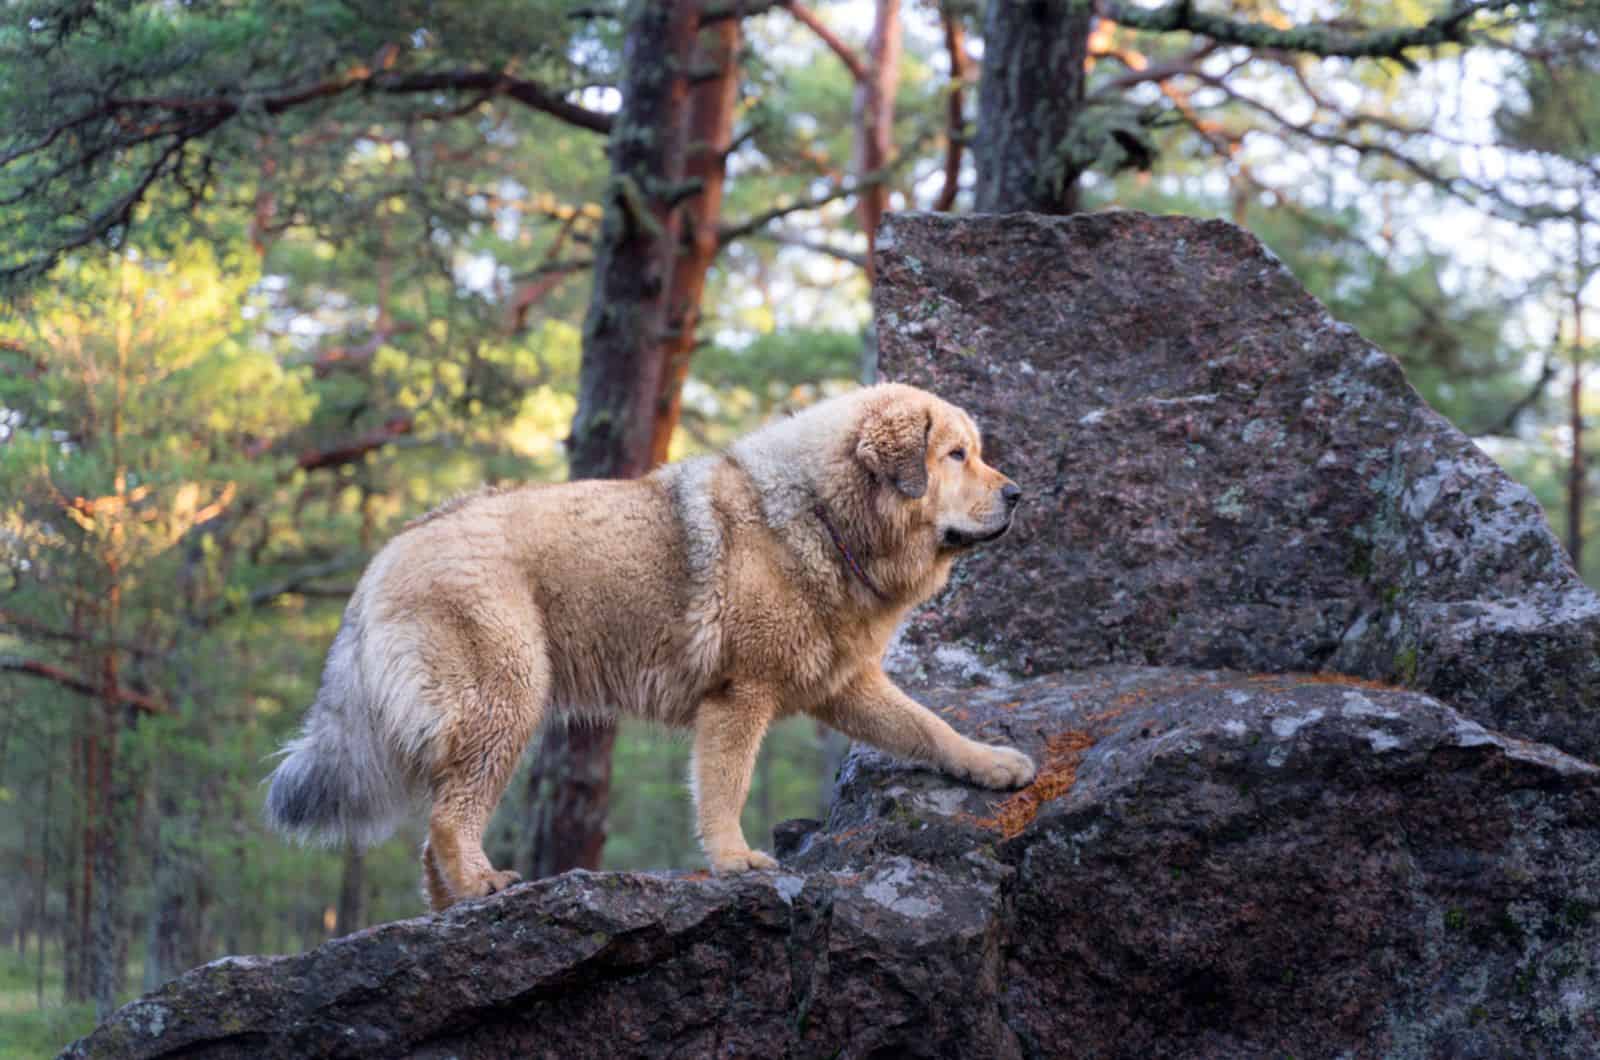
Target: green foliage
[
  {"x": 92, "y": 98},
  {"x": 1559, "y": 109}
]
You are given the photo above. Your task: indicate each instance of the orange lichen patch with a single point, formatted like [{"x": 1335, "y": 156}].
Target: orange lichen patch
[
  {"x": 1057, "y": 773},
  {"x": 1109, "y": 714},
  {"x": 1324, "y": 677}
]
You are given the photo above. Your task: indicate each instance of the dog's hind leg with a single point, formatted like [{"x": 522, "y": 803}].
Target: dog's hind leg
[
  {"x": 434, "y": 889},
  {"x": 489, "y": 724}
]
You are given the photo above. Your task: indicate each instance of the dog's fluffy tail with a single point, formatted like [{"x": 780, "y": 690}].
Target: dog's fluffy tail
[{"x": 337, "y": 781}]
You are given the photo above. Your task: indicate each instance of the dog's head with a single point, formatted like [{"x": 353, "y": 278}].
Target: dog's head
[{"x": 929, "y": 455}]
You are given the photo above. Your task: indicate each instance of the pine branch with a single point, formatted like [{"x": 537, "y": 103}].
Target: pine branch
[
  {"x": 1326, "y": 40},
  {"x": 116, "y": 695},
  {"x": 846, "y": 54}
]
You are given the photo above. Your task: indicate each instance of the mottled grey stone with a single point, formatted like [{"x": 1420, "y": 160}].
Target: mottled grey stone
[
  {"x": 1211, "y": 864},
  {"x": 1219, "y": 474}
]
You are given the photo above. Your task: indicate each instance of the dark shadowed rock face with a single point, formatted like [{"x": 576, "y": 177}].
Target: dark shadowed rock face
[
  {"x": 1221, "y": 475},
  {"x": 1210, "y": 865}
]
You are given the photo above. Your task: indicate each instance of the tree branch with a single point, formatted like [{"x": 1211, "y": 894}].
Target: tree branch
[
  {"x": 167, "y": 124},
  {"x": 1316, "y": 39},
  {"x": 791, "y": 239},
  {"x": 487, "y": 83},
  {"x": 296, "y": 583},
  {"x": 1464, "y": 188},
  {"x": 356, "y": 448},
  {"x": 739, "y": 9},
  {"x": 840, "y": 190},
  {"x": 846, "y": 54},
  {"x": 350, "y": 358},
  {"x": 116, "y": 695},
  {"x": 28, "y": 627}
]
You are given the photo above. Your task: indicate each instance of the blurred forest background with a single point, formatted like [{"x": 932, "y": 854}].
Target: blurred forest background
[{"x": 281, "y": 276}]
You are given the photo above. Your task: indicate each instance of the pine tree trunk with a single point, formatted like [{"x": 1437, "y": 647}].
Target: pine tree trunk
[
  {"x": 1577, "y": 467},
  {"x": 352, "y": 910},
  {"x": 1029, "y": 95},
  {"x": 172, "y": 922},
  {"x": 621, "y": 382},
  {"x": 711, "y": 107},
  {"x": 873, "y": 111},
  {"x": 108, "y": 912}
]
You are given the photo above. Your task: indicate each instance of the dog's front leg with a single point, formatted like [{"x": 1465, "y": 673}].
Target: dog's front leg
[
  {"x": 727, "y": 736},
  {"x": 872, "y": 709}
]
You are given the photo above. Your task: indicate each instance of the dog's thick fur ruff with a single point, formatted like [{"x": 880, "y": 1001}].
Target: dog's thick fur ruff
[{"x": 720, "y": 594}]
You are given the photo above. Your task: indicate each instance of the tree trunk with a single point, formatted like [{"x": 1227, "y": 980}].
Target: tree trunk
[
  {"x": 955, "y": 43},
  {"x": 873, "y": 108},
  {"x": 1576, "y": 469},
  {"x": 172, "y": 939},
  {"x": 116, "y": 817},
  {"x": 352, "y": 909},
  {"x": 1029, "y": 95},
  {"x": 711, "y": 105},
  {"x": 42, "y": 908},
  {"x": 621, "y": 381}
]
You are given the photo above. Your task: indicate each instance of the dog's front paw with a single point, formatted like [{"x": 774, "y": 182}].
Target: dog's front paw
[
  {"x": 997, "y": 767},
  {"x": 486, "y": 883},
  {"x": 724, "y": 862}
]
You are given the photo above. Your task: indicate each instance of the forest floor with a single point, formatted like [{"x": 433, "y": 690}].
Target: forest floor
[{"x": 28, "y": 1031}]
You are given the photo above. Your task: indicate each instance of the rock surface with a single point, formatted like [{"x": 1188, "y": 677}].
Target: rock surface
[
  {"x": 1221, "y": 475},
  {"x": 1210, "y": 865}
]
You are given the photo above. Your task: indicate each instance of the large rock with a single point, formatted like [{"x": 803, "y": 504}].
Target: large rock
[
  {"x": 1221, "y": 475},
  {"x": 1210, "y": 865}
]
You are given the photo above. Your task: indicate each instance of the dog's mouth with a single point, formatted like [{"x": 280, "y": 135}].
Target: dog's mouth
[{"x": 954, "y": 538}]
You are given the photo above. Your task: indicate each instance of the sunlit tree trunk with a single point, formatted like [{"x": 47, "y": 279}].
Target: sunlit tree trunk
[
  {"x": 622, "y": 382},
  {"x": 711, "y": 107},
  {"x": 873, "y": 108}
]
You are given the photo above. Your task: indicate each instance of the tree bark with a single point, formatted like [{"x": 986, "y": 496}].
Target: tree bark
[
  {"x": 711, "y": 106},
  {"x": 116, "y": 818},
  {"x": 352, "y": 909},
  {"x": 1029, "y": 95},
  {"x": 873, "y": 107},
  {"x": 1576, "y": 467},
  {"x": 621, "y": 378},
  {"x": 955, "y": 43},
  {"x": 173, "y": 924}
]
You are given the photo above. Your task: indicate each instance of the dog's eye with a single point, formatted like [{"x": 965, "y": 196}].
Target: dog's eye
[{"x": 958, "y": 454}]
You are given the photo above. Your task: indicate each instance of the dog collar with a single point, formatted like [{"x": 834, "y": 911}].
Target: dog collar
[{"x": 855, "y": 568}]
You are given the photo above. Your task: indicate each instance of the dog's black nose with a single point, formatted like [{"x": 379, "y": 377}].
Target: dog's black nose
[{"x": 1011, "y": 494}]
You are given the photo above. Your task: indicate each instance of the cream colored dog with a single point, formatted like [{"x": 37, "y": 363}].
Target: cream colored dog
[{"x": 721, "y": 593}]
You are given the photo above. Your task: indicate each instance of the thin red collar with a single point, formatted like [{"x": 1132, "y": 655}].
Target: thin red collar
[{"x": 855, "y": 568}]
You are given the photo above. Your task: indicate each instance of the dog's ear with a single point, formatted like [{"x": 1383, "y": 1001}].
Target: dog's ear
[{"x": 893, "y": 444}]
